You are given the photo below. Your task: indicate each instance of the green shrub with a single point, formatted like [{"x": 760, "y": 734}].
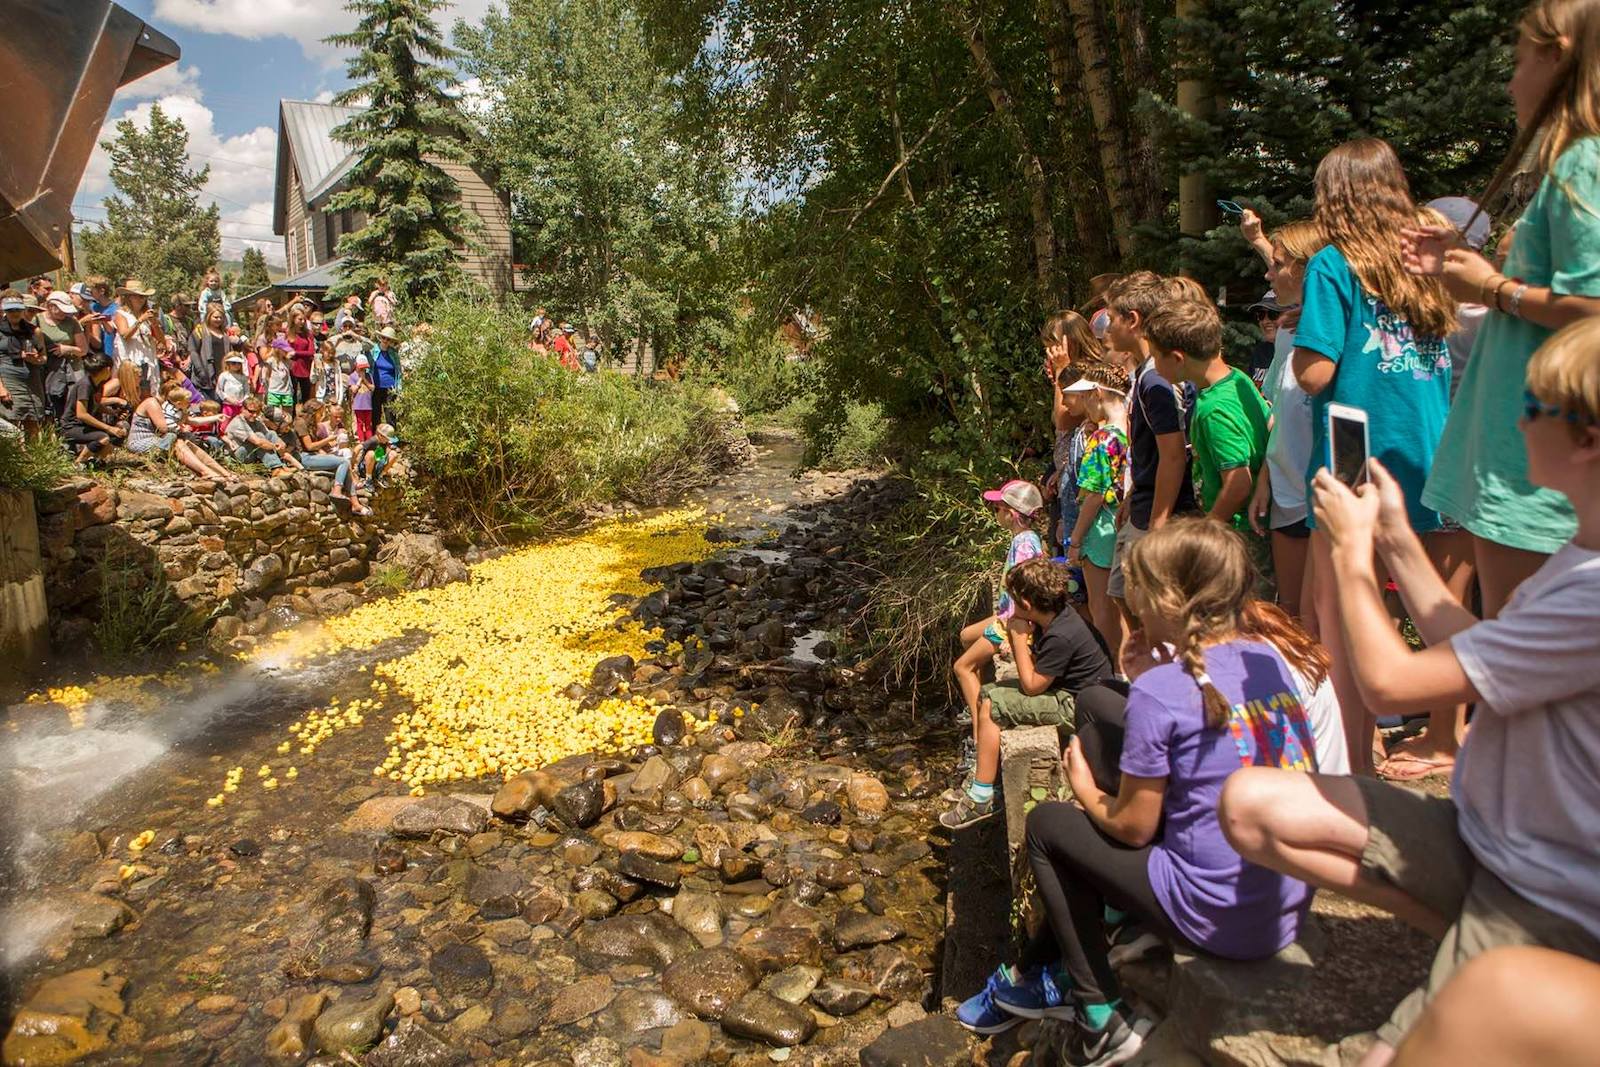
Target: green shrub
[
  {"x": 514, "y": 443},
  {"x": 929, "y": 566},
  {"x": 40, "y": 465},
  {"x": 860, "y": 436}
]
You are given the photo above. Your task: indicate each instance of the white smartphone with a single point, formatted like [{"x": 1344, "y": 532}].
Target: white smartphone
[{"x": 1347, "y": 444}]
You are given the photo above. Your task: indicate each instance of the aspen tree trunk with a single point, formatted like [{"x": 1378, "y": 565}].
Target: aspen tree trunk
[
  {"x": 1197, "y": 213},
  {"x": 1086, "y": 188},
  {"x": 1110, "y": 120},
  {"x": 1028, "y": 162},
  {"x": 1138, "y": 73}
]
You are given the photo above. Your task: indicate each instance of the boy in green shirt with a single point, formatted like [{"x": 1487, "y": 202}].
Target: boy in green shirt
[{"x": 1228, "y": 426}]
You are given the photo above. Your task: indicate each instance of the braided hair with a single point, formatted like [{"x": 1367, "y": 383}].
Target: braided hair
[{"x": 1199, "y": 572}]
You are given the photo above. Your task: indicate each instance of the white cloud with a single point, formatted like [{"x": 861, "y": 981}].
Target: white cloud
[
  {"x": 241, "y": 179},
  {"x": 173, "y": 80},
  {"x": 307, "y": 22}
]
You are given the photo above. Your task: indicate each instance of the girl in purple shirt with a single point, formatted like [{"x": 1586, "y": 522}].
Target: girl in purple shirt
[{"x": 1147, "y": 770}]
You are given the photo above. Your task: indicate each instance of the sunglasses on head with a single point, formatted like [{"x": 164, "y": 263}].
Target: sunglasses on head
[{"x": 1535, "y": 409}]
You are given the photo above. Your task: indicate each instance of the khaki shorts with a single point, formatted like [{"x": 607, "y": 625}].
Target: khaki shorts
[
  {"x": 1128, "y": 535},
  {"x": 1414, "y": 845},
  {"x": 1010, "y": 707}
]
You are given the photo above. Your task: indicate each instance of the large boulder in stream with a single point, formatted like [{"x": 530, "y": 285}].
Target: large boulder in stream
[
  {"x": 440, "y": 814},
  {"x": 646, "y": 940}
]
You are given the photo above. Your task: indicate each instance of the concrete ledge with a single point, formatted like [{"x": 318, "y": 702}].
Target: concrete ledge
[{"x": 1030, "y": 771}]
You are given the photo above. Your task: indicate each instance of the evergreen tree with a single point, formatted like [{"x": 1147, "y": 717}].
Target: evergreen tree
[
  {"x": 253, "y": 270},
  {"x": 1298, "y": 78},
  {"x": 155, "y": 228},
  {"x": 409, "y": 126}
]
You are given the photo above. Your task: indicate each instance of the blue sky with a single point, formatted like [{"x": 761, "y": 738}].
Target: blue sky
[{"x": 240, "y": 57}]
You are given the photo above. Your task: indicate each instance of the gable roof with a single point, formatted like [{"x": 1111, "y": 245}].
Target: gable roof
[{"x": 305, "y": 132}]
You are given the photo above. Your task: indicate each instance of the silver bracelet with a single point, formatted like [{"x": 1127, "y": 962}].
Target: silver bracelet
[{"x": 1516, "y": 301}]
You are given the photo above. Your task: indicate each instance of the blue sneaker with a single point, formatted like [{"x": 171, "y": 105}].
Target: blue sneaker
[
  {"x": 979, "y": 1013},
  {"x": 1037, "y": 996}
]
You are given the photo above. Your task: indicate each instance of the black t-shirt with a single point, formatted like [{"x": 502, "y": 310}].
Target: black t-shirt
[
  {"x": 1261, "y": 354},
  {"x": 1154, "y": 411},
  {"x": 1068, "y": 652},
  {"x": 82, "y": 391}
]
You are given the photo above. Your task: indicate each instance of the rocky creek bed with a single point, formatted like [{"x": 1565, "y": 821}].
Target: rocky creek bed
[
  {"x": 756, "y": 877},
  {"x": 757, "y": 884}
]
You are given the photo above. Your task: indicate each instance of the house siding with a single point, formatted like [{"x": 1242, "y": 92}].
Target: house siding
[
  {"x": 490, "y": 261},
  {"x": 311, "y": 235},
  {"x": 294, "y": 225}
]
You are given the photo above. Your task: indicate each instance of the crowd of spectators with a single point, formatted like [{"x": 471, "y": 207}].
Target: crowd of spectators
[
  {"x": 1255, "y": 665},
  {"x": 278, "y": 387}
]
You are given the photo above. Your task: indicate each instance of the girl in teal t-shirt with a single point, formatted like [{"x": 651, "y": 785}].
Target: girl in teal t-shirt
[
  {"x": 1384, "y": 366},
  {"x": 1372, "y": 336},
  {"x": 1551, "y": 278}
]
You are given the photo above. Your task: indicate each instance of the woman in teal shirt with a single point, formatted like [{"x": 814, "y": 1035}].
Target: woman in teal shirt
[
  {"x": 1552, "y": 278},
  {"x": 1370, "y": 336}
]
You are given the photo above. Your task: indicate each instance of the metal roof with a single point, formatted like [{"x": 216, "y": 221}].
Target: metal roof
[{"x": 305, "y": 133}]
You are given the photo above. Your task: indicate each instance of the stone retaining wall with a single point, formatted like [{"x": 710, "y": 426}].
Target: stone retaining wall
[{"x": 219, "y": 545}]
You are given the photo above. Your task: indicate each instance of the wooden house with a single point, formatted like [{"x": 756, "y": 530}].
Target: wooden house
[{"x": 312, "y": 166}]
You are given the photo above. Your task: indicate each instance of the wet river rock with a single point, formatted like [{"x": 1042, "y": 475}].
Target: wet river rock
[
  {"x": 352, "y": 1025},
  {"x": 580, "y": 805},
  {"x": 439, "y": 814},
  {"x": 861, "y": 929},
  {"x": 709, "y": 981},
  {"x": 645, "y": 940},
  {"x": 653, "y": 872},
  {"x": 669, "y": 727},
  {"x": 763, "y": 1017},
  {"x": 416, "y": 1043},
  {"x": 462, "y": 971}
]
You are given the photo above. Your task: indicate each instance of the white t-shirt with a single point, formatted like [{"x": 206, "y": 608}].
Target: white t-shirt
[
  {"x": 1327, "y": 723},
  {"x": 1527, "y": 781},
  {"x": 1289, "y": 442}
]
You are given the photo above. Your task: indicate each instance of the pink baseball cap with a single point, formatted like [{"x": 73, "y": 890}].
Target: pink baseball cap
[{"x": 1023, "y": 497}]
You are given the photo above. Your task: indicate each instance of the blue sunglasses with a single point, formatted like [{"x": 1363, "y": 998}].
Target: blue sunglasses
[{"x": 1534, "y": 408}]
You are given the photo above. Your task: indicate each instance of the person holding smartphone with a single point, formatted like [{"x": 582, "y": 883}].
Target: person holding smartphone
[
  {"x": 1550, "y": 278},
  {"x": 1372, "y": 337}
]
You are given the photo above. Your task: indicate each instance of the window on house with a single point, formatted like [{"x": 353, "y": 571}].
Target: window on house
[{"x": 311, "y": 250}]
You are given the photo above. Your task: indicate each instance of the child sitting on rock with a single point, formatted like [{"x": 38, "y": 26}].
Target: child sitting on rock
[
  {"x": 1146, "y": 771},
  {"x": 1016, "y": 505},
  {"x": 1057, "y": 657}
]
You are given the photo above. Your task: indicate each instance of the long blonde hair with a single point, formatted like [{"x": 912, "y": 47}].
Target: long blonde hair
[
  {"x": 1199, "y": 572},
  {"x": 1571, "y": 108},
  {"x": 1363, "y": 201},
  {"x": 1076, "y": 331},
  {"x": 1301, "y": 239}
]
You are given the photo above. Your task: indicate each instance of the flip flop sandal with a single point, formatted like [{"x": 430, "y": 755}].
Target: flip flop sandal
[{"x": 1417, "y": 770}]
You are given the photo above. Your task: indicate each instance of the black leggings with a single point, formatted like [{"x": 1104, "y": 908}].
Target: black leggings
[
  {"x": 302, "y": 390},
  {"x": 1080, "y": 869},
  {"x": 380, "y": 400}
]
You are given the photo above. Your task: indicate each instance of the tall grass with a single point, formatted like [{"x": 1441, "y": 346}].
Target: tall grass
[
  {"x": 39, "y": 465},
  {"x": 514, "y": 444},
  {"x": 139, "y": 613}
]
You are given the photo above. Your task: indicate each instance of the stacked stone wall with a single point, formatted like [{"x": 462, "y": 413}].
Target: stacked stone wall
[{"x": 221, "y": 546}]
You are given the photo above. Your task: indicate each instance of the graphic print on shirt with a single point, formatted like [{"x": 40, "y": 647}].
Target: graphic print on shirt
[
  {"x": 1273, "y": 733},
  {"x": 1024, "y": 546},
  {"x": 1392, "y": 335}
]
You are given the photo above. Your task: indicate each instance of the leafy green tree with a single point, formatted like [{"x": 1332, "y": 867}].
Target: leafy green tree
[
  {"x": 155, "y": 227},
  {"x": 620, "y": 206},
  {"x": 253, "y": 271},
  {"x": 407, "y": 128}
]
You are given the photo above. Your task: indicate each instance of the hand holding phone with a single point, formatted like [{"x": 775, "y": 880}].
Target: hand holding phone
[{"x": 1348, "y": 444}]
